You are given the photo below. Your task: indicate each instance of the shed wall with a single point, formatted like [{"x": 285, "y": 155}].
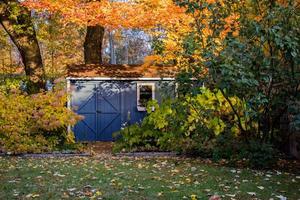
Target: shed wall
[{"x": 106, "y": 104}]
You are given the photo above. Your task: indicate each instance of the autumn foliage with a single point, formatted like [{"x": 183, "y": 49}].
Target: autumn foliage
[
  {"x": 113, "y": 14},
  {"x": 248, "y": 51},
  {"x": 35, "y": 123}
]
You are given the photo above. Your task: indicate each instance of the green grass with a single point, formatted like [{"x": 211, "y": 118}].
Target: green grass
[{"x": 129, "y": 178}]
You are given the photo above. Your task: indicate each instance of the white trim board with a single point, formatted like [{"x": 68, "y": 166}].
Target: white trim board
[
  {"x": 120, "y": 79},
  {"x": 69, "y": 129}
]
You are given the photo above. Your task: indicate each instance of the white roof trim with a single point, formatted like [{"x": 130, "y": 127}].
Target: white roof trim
[{"x": 121, "y": 79}]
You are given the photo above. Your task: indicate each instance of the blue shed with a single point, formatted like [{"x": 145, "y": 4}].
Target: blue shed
[{"x": 109, "y": 96}]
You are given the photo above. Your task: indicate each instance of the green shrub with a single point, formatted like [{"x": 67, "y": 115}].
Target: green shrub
[
  {"x": 202, "y": 125},
  {"x": 35, "y": 123},
  {"x": 227, "y": 146},
  {"x": 189, "y": 124},
  {"x": 8, "y": 83},
  {"x": 259, "y": 155},
  {"x": 254, "y": 152},
  {"x": 136, "y": 137}
]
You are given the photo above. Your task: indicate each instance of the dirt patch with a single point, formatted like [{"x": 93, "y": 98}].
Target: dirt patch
[{"x": 99, "y": 147}]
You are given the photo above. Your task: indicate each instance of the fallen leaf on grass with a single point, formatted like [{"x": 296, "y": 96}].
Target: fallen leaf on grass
[
  {"x": 32, "y": 195},
  {"x": 97, "y": 194},
  {"x": 215, "y": 197},
  {"x": 281, "y": 197},
  {"x": 260, "y": 187},
  {"x": 251, "y": 193},
  {"x": 193, "y": 197},
  {"x": 65, "y": 195},
  {"x": 140, "y": 166},
  {"x": 71, "y": 189},
  {"x": 230, "y": 195},
  {"x": 207, "y": 190},
  {"x": 58, "y": 174},
  {"x": 160, "y": 194},
  {"x": 278, "y": 173}
]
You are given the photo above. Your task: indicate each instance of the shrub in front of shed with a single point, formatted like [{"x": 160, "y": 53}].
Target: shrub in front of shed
[
  {"x": 202, "y": 125},
  {"x": 188, "y": 124},
  {"x": 137, "y": 137},
  {"x": 35, "y": 123}
]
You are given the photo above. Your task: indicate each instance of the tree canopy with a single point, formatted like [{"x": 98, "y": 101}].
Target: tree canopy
[{"x": 114, "y": 14}]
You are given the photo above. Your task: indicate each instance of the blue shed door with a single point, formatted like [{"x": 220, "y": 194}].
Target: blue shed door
[
  {"x": 100, "y": 104},
  {"x": 108, "y": 110}
]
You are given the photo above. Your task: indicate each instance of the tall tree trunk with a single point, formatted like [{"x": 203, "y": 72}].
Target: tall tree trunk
[
  {"x": 126, "y": 54},
  {"x": 113, "y": 59},
  {"x": 21, "y": 30},
  {"x": 93, "y": 45}
]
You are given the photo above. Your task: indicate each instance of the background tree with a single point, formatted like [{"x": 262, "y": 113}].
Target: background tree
[
  {"x": 112, "y": 15},
  {"x": 250, "y": 49},
  {"x": 93, "y": 44},
  {"x": 57, "y": 43},
  {"x": 16, "y": 21}
]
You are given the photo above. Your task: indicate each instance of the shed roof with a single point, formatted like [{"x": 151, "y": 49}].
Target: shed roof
[{"x": 120, "y": 71}]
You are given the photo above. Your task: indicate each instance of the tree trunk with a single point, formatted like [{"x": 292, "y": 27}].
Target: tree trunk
[
  {"x": 113, "y": 59},
  {"x": 93, "y": 45},
  {"x": 21, "y": 30},
  {"x": 126, "y": 60}
]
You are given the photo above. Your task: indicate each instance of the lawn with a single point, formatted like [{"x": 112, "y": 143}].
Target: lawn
[{"x": 140, "y": 178}]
